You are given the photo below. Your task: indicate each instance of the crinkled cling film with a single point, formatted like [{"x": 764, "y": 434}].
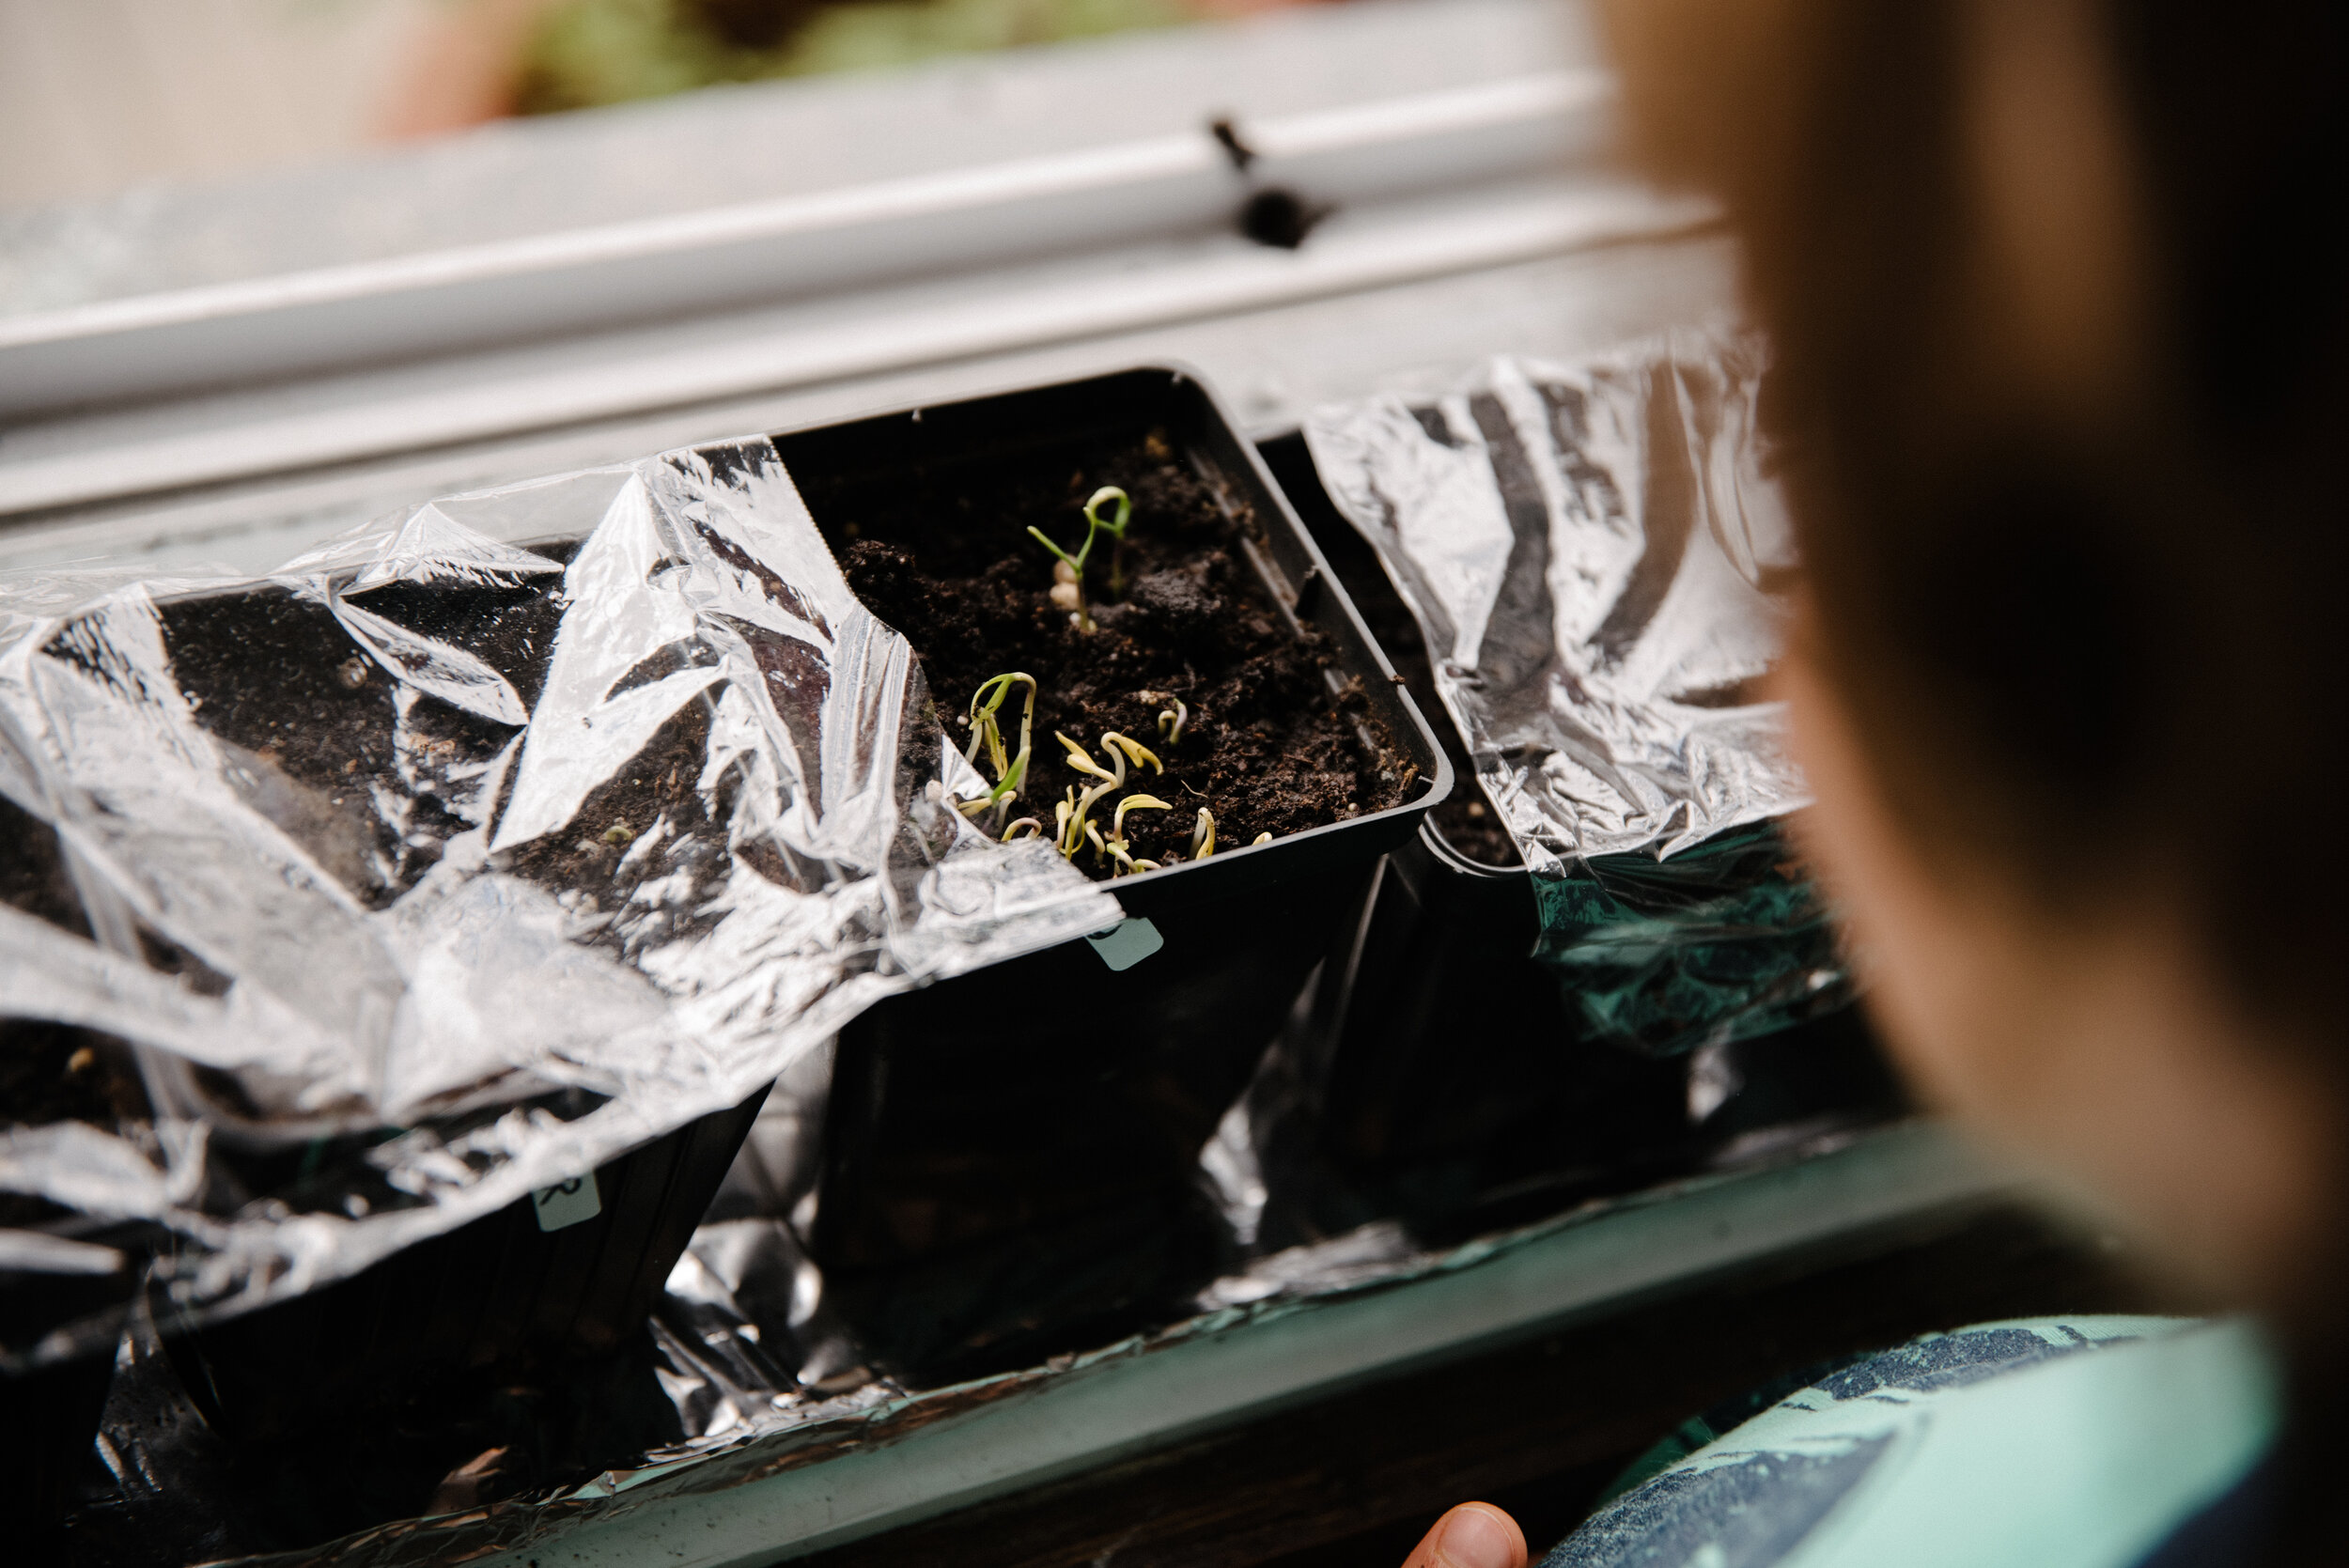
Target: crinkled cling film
[
  {"x": 1597, "y": 562},
  {"x": 464, "y": 854}
]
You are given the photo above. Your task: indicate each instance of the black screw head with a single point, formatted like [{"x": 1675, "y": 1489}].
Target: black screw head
[{"x": 1279, "y": 217}]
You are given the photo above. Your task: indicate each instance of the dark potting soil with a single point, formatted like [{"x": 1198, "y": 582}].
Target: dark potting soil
[
  {"x": 52, "y": 1072},
  {"x": 317, "y": 740},
  {"x": 1474, "y": 828},
  {"x": 944, "y": 557},
  {"x": 33, "y": 875},
  {"x": 1464, "y": 818},
  {"x": 312, "y": 729}
]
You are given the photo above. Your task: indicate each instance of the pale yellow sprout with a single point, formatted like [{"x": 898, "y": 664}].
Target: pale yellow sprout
[
  {"x": 1115, "y": 743},
  {"x": 1118, "y": 848},
  {"x": 1134, "y": 802},
  {"x": 1082, "y": 760}
]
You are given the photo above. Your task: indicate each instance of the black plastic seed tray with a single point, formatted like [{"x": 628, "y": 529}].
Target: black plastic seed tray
[
  {"x": 1051, "y": 1107},
  {"x": 281, "y": 686},
  {"x": 503, "y": 1290}
]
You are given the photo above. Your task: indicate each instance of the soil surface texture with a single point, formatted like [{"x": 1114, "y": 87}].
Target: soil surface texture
[{"x": 944, "y": 557}]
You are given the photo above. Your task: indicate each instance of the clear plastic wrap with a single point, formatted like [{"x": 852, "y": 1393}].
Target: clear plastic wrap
[
  {"x": 469, "y": 852},
  {"x": 1598, "y": 561}
]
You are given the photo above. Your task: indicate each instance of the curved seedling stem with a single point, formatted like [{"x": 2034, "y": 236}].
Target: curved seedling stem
[
  {"x": 1119, "y": 850},
  {"x": 1096, "y": 525},
  {"x": 1082, "y": 760},
  {"x": 1116, "y": 530},
  {"x": 1135, "y": 803},
  {"x": 1114, "y": 742},
  {"x": 1011, "y": 771}
]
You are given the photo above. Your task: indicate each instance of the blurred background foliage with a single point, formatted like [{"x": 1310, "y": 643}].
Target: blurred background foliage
[
  {"x": 588, "y": 52},
  {"x": 101, "y": 97}
]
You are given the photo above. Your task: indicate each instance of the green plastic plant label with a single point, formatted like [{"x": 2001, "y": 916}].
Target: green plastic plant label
[
  {"x": 1126, "y": 943},
  {"x": 567, "y": 1203}
]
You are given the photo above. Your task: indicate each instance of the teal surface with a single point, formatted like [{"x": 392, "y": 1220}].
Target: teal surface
[
  {"x": 1722, "y": 941},
  {"x": 2077, "y": 1442}
]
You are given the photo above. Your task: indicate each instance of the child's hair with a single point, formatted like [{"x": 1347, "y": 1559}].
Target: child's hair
[{"x": 2058, "y": 294}]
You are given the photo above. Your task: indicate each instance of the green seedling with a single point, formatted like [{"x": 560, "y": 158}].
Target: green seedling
[
  {"x": 1011, "y": 769},
  {"x": 1068, "y": 573}
]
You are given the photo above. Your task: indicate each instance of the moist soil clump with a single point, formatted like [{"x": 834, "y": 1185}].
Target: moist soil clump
[{"x": 1266, "y": 746}]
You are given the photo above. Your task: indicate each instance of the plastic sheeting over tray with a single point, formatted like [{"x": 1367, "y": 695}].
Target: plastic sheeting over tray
[
  {"x": 1598, "y": 561},
  {"x": 470, "y": 851}
]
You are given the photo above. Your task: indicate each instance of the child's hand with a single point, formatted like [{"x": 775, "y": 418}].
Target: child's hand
[{"x": 1474, "y": 1535}]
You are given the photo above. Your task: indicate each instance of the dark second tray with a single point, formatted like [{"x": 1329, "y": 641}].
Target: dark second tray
[{"x": 1448, "y": 1076}]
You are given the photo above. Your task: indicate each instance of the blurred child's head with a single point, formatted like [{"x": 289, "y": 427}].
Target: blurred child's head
[{"x": 2058, "y": 292}]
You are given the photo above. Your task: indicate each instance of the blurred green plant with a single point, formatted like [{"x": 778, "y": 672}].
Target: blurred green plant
[{"x": 589, "y": 53}]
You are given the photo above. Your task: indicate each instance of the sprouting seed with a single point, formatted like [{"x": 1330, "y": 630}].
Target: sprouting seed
[
  {"x": 1135, "y": 803},
  {"x": 1082, "y": 760},
  {"x": 619, "y": 833},
  {"x": 1260, "y": 838},
  {"x": 1202, "y": 834},
  {"x": 1072, "y": 816},
  {"x": 1011, "y": 771},
  {"x": 1072, "y": 833},
  {"x": 1070, "y": 571},
  {"x": 1136, "y": 752},
  {"x": 1035, "y": 829},
  {"x": 1118, "y": 848},
  {"x": 1172, "y": 720}
]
